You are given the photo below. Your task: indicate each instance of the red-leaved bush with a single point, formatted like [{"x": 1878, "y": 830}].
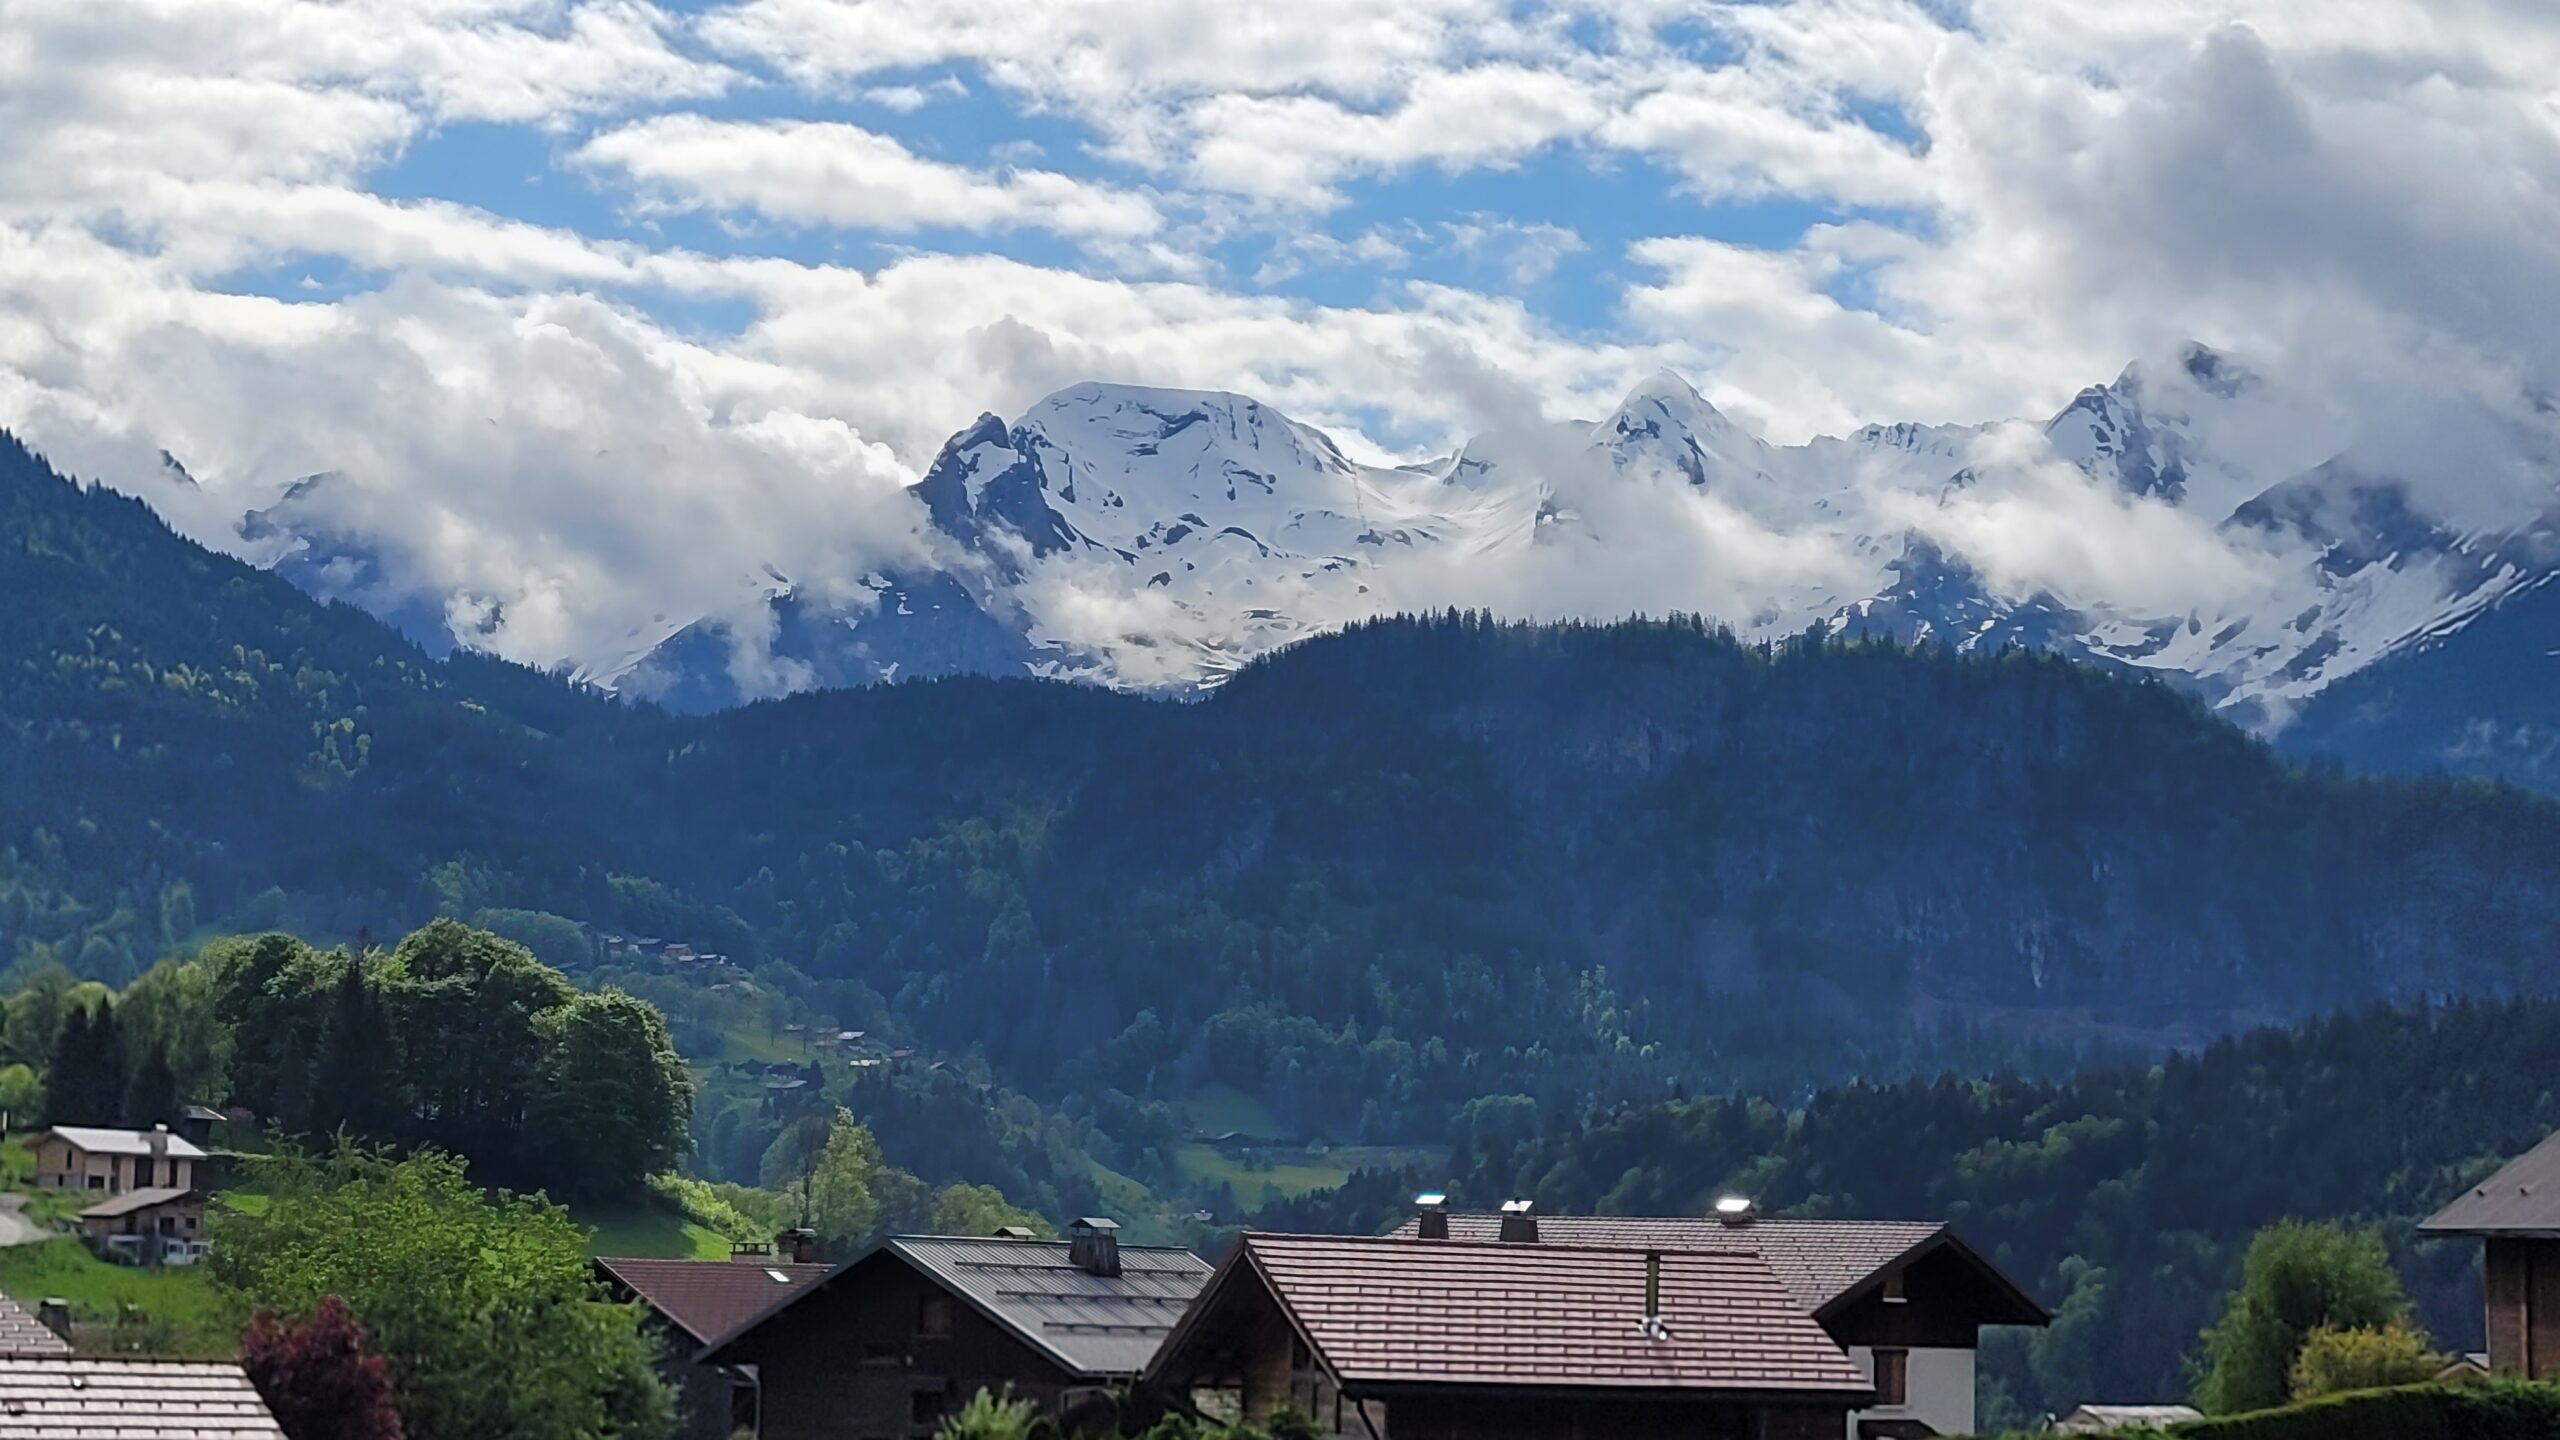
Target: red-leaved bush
[{"x": 316, "y": 1376}]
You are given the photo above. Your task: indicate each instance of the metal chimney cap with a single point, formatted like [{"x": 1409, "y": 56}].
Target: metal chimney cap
[
  {"x": 1519, "y": 1207},
  {"x": 1095, "y": 1223},
  {"x": 1736, "y": 1209},
  {"x": 1431, "y": 1200}
]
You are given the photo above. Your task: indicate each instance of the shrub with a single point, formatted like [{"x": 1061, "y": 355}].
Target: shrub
[
  {"x": 2334, "y": 1361},
  {"x": 2501, "y": 1411}
]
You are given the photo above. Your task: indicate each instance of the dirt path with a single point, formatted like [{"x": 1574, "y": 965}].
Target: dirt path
[{"x": 15, "y": 1227}]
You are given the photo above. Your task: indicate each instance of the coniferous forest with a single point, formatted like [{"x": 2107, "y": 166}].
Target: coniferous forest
[{"x": 1536, "y": 892}]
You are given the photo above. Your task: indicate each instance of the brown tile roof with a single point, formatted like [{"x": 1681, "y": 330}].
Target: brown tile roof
[
  {"x": 1384, "y": 1312},
  {"x": 706, "y": 1298},
  {"x": 21, "y": 1333},
  {"x": 2523, "y": 1198},
  {"x": 62, "y": 1397},
  {"x": 1818, "y": 1260}
]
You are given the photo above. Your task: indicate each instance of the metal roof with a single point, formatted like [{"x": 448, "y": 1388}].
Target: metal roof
[
  {"x": 1095, "y": 1325},
  {"x": 707, "y": 1298},
  {"x": 1387, "y": 1312},
  {"x": 21, "y": 1333},
  {"x": 100, "y": 1141},
  {"x": 2523, "y": 1198},
  {"x": 1819, "y": 1261},
  {"x": 66, "y": 1397}
]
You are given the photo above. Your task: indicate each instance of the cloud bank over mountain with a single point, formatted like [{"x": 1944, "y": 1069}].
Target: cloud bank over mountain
[{"x": 599, "y": 315}]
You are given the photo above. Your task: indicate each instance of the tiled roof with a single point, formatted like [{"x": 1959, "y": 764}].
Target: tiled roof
[
  {"x": 123, "y": 1142},
  {"x": 1818, "y": 1260},
  {"x": 1094, "y": 1325},
  {"x": 1450, "y": 1312},
  {"x": 62, "y": 1397},
  {"x": 2523, "y": 1198},
  {"x": 707, "y": 1298},
  {"x": 140, "y": 1199},
  {"x": 21, "y": 1333}
]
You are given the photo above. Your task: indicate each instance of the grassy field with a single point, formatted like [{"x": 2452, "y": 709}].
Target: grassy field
[
  {"x": 180, "y": 1312},
  {"x": 651, "y": 1230},
  {"x": 1217, "y": 1109},
  {"x": 1256, "y": 1183}
]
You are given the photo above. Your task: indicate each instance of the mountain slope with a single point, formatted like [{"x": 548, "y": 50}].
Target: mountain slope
[{"x": 1369, "y": 878}]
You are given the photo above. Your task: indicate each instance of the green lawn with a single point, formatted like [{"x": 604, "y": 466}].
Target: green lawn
[
  {"x": 1217, "y": 1109},
  {"x": 647, "y": 1229},
  {"x": 184, "y": 1316},
  {"x": 1258, "y": 1184}
]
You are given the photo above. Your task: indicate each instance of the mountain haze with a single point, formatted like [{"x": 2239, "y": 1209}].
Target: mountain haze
[
  {"x": 1366, "y": 877},
  {"x": 2216, "y": 529}
]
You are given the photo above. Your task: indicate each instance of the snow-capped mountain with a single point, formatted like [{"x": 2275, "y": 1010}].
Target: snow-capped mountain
[{"x": 1158, "y": 538}]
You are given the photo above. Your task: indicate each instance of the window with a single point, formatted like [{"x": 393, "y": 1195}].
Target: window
[
  {"x": 1893, "y": 1377},
  {"x": 933, "y": 1315},
  {"x": 924, "y": 1407},
  {"x": 1893, "y": 1292}
]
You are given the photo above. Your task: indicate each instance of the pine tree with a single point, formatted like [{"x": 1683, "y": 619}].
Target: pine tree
[
  {"x": 152, "y": 1097},
  {"x": 348, "y": 1090}
]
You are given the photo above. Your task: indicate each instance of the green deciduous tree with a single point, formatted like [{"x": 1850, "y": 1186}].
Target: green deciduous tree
[
  {"x": 482, "y": 1305},
  {"x": 2297, "y": 1278},
  {"x": 980, "y": 1210},
  {"x": 615, "y": 1098}
]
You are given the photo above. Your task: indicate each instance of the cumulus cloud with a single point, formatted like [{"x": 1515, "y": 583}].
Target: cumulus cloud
[
  {"x": 824, "y": 173},
  {"x": 1881, "y": 215}
]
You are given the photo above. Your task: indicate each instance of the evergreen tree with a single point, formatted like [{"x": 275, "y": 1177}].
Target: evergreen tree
[
  {"x": 151, "y": 1097},
  {"x": 88, "y": 1080},
  {"x": 350, "y": 1077}
]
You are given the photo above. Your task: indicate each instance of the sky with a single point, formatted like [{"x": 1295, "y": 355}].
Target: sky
[{"x": 603, "y": 304}]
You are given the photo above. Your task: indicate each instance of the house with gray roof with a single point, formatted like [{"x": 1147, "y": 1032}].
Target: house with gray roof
[
  {"x": 886, "y": 1346},
  {"x": 129, "y": 1397},
  {"x": 2515, "y": 1213}
]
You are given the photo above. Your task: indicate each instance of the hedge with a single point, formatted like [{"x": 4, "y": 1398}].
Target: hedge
[{"x": 2502, "y": 1411}]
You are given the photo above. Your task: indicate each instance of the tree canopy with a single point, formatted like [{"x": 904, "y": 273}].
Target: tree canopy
[{"x": 482, "y": 1305}]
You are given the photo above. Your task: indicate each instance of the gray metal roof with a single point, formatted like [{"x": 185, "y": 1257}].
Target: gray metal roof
[
  {"x": 2521, "y": 1199},
  {"x": 21, "y": 1333},
  {"x": 1095, "y": 1325},
  {"x": 127, "y": 1397}
]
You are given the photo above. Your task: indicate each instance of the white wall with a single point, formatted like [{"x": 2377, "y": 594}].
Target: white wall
[{"x": 1939, "y": 1395}]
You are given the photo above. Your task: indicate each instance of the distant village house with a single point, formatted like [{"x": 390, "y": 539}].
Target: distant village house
[{"x": 84, "y": 1157}]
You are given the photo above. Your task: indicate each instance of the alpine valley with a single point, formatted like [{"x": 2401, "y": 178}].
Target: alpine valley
[{"x": 1159, "y": 539}]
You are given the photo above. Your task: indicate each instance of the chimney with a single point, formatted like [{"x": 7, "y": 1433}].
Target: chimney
[
  {"x": 1431, "y": 1209},
  {"x": 1520, "y": 1222},
  {"x": 1653, "y": 1325},
  {"x": 750, "y": 1252},
  {"x": 1736, "y": 1210},
  {"x": 1093, "y": 1246},
  {"x": 54, "y": 1314},
  {"x": 800, "y": 1245}
]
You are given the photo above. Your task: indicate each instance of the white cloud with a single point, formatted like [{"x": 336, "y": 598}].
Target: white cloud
[{"x": 809, "y": 172}]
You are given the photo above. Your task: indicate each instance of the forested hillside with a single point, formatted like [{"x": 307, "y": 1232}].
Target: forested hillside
[
  {"x": 2123, "y": 1198},
  {"x": 1372, "y": 878}
]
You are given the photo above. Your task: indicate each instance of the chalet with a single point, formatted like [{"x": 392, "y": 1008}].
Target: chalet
[
  {"x": 885, "y": 1347},
  {"x": 1410, "y": 1338},
  {"x": 83, "y": 1157},
  {"x": 2516, "y": 1214},
  {"x": 1905, "y": 1300},
  {"x": 154, "y": 1225},
  {"x": 694, "y": 1302},
  {"x": 79, "y": 1397}
]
